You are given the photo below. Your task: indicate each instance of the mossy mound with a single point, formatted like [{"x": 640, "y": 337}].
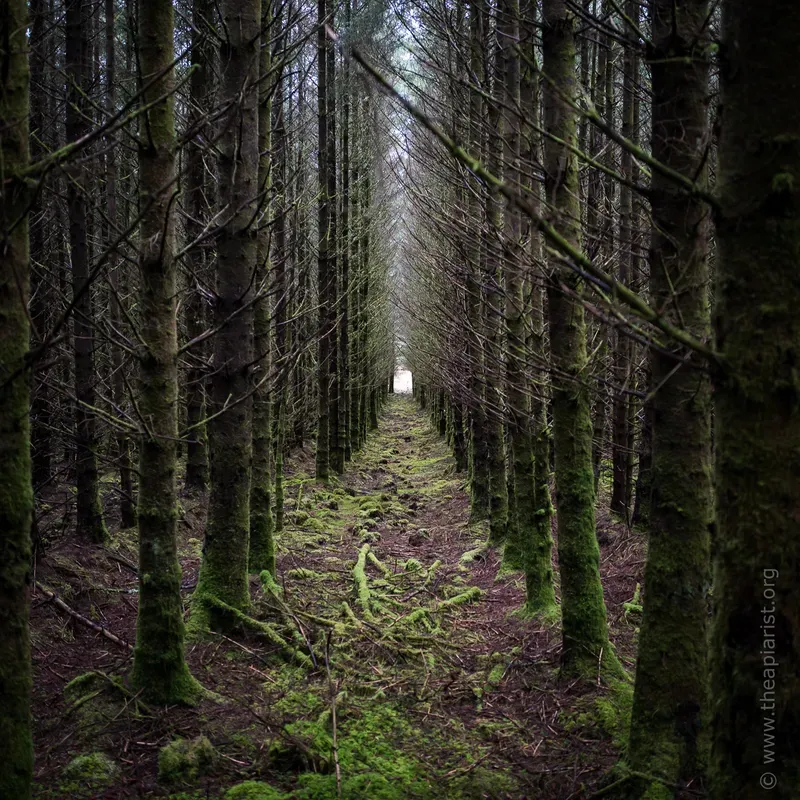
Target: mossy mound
[
  {"x": 186, "y": 760},
  {"x": 89, "y": 772},
  {"x": 253, "y": 790}
]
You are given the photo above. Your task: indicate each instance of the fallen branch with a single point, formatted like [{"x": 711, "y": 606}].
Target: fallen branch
[
  {"x": 56, "y": 600},
  {"x": 124, "y": 561}
]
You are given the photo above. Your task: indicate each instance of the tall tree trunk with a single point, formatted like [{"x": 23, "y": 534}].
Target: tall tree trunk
[
  {"x": 478, "y": 453},
  {"x": 196, "y": 263},
  {"x": 538, "y": 544},
  {"x": 671, "y": 667},
  {"x": 326, "y": 260},
  {"x": 494, "y": 312},
  {"x": 584, "y": 626},
  {"x": 127, "y": 503},
  {"x": 89, "y": 514},
  {"x": 520, "y": 522},
  {"x": 41, "y": 301},
  {"x": 335, "y": 441},
  {"x": 345, "y": 389},
  {"x": 282, "y": 289},
  {"x": 224, "y": 569},
  {"x": 262, "y": 521},
  {"x": 159, "y": 668},
  {"x": 623, "y": 349},
  {"x": 16, "y": 497},
  {"x": 755, "y": 643}
]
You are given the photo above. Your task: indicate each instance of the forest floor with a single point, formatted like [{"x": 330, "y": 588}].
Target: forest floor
[{"x": 402, "y": 669}]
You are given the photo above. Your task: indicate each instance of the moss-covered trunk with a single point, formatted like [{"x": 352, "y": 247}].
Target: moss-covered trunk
[
  {"x": 584, "y": 627},
  {"x": 262, "y": 522},
  {"x": 159, "y": 668},
  {"x": 223, "y": 572},
  {"x": 755, "y": 643},
  {"x": 671, "y": 669},
  {"x": 16, "y": 497}
]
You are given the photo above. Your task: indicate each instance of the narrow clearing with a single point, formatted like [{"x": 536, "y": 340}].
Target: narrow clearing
[{"x": 389, "y": 631}]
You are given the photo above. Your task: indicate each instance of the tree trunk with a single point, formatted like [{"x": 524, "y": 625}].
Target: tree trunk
[
  {"x": 281, "y": 298},
  {"x": 197, "y": 206},
  {"x": 42, "y": 300},
  {"x": 584, "y": 627},
  {"x": 755, "y": 642},
  {"x": 262, "y": 520},
  {"x": 537, "y": 542},
  {"x": 16, "y": 497},
  {"x": 159, "y": 669},
  {"x": 345, "y": 389},
  {"x": 223, "y": 572},
  {"x": 478, "y": 451},
  {"x": 126, "y": 502},
  {"x": 494, "y": 311},
  {"x": 89, "y": 513},
  {"x": 670, "y": 691},
  {"x": 521, "y": 521},
  {"x": 623, "y": 349},
  {"x": 326, "y": 259}
]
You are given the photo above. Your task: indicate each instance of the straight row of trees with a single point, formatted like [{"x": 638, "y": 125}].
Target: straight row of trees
[
  {"x": 583, "y": 204},
  {"x": 191, "y": 273}
]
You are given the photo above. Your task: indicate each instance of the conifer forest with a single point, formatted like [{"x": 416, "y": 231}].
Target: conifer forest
[{"x": 400, "y": 399}]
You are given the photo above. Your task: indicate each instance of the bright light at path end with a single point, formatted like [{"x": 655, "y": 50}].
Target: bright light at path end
[{"x": 402, "y": 381}]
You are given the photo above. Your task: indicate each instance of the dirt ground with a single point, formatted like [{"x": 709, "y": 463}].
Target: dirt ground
[{"x": 405, "y": 670}]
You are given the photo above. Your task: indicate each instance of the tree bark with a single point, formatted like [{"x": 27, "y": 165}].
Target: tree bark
[
  {"x": 200, "y": 94},
  {"x": 159, "y": 668},
  {"x": 224, "y": 569},
  {"x": 756, "y": 625},
  {"x": 326, "y": 260},
  {"x": 623, "y": 349},
  {"x": 16, "y": 497},
  {"x": 584, "y": 626},
  {"x": 262, "y": 520},
  {"x": 89, "y": 512},
  {"x": 670, "y": 692}
]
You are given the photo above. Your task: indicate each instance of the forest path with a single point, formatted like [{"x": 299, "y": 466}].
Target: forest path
[
  {"x": 394, "y": 620},
  {"x": 437, "y": 637}
]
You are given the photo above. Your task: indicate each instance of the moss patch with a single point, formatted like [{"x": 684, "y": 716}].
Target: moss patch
[
  {"x": 89, "y": 773},
  {"x": 186, "y": 760},
  {"x": 253, "y": 790}
]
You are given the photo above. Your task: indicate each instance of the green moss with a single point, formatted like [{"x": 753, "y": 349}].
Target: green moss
[
  {"x": 253, "y": 790},
  {"x": 296, "y": 703},
  {"x": 633, "y": 608},
  {"x": 92, "y": 771},
  {"x": 468, "y": 596},
  {"x": 609, "y": 715},
  {"x": 303, "y": 574},
  {"x": 186, "y": 760}
]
